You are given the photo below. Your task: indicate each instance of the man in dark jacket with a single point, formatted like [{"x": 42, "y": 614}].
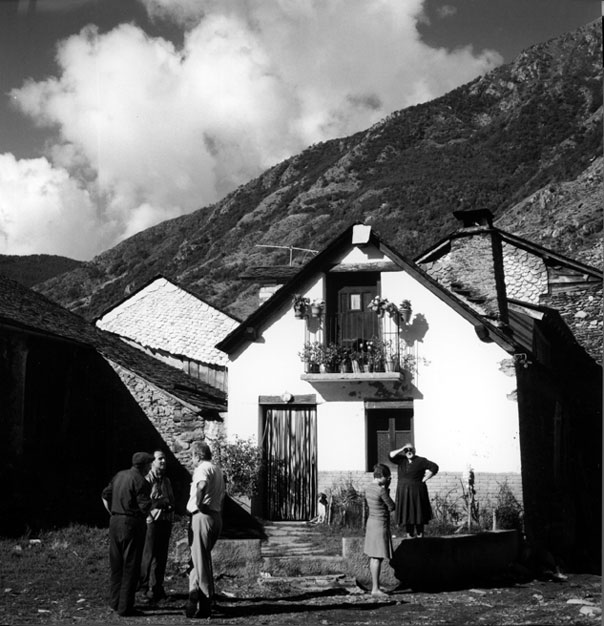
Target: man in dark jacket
[
  {"x": 128, "y": 499},
  {"x": 159, "y": 529}
]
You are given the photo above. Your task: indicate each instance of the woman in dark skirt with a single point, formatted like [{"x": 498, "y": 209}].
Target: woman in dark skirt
[
  {"x": 378, "y": 539},
  {"x": 413, "y": 508}
]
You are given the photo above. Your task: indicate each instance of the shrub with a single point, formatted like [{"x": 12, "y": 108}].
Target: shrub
[
  {"x": 508, "y": 510},
  {"x": 348, "y": 508},
  {"x": 447, "y": 514},
  {"x": 241, "y": 462}
]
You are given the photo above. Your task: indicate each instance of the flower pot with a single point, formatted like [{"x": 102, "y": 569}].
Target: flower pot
[
  {"x": 344, "y": 367},
  {"x": 406, "y": 315},
  {"x": 391, "y": 365},
  {"x": 368, "y": 367},
  {"x": 299, "y": 314},
  {"x": 315, "y": 311},
  {"x": 356, "y": 367}
]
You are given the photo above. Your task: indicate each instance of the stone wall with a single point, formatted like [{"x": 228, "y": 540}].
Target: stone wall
[
  {"x": 178, "y": 425},
  {"x": 581, "y": 309}
]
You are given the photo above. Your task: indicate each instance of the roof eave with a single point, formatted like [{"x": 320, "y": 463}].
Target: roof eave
[{"x": 248, "y": 330}]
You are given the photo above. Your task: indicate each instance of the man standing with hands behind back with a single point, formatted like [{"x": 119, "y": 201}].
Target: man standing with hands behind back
[
  {"x": 205, "y": 506},
  {"x": 127, "y": 499}
]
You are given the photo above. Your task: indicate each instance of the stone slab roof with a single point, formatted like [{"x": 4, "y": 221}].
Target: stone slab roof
[
  {"x": 24, "y": 309},
  {"x": 530, "y": 273},
  {"x": 164, "y": 316},
  {"x": 270, "y": 274}
]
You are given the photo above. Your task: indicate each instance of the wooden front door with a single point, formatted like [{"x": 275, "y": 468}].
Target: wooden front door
[
  {"x": 290, "y": 452},
  {"x": 349, "y": 319}
]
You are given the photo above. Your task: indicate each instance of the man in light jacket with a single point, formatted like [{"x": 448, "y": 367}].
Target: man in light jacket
[{"x": 205, "y": 504}]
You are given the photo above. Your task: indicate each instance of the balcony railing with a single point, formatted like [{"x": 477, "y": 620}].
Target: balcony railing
[{"x": 354, "y": 343}]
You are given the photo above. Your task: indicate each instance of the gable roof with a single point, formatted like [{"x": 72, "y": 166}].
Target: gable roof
[
  {"x": 164, "y": 316},
  {"x": 327, "y": 258},
  {"x": 530, "y": 273},
  {"x": 196, "y": 394},
  {"x": 25, "y": 310},
  {"x": 439, "y": 248}
]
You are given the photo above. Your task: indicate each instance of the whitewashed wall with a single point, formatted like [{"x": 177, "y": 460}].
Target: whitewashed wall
[{"x": 464, "y": 416}]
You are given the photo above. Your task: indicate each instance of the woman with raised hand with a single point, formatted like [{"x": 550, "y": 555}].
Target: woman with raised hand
[{"x": 413, "y": 508}]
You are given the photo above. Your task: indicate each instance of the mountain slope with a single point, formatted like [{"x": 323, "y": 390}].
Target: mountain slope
[
  {"x": 494, "y": 143},
  {"x": 32, "y": 269}
]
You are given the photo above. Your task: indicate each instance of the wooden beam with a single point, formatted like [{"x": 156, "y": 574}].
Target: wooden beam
[
  {"x": 377, "y": 266},
  {"x": 388, "y": 404},
  {"x": 310, "y": 398}
]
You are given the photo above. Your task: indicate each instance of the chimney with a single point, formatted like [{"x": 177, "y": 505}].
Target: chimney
[
  {"x": 473, "y": 218},
  {"x": 476, "y": 259}
]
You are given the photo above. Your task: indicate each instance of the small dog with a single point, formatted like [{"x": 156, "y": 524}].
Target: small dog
[{"x": 321, "y": 518}]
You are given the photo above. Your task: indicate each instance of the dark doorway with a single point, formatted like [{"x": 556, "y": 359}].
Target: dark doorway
[{"x": 387, "y": 429}]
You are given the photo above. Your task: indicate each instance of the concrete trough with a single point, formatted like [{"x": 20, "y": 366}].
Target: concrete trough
[{"x": 452, "y": 561}]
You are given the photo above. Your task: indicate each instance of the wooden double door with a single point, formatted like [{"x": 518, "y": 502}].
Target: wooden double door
[{"x": 290, "y": 454}]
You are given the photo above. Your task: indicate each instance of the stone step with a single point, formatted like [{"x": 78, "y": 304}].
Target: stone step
[
  {"x": 294, "y": 539},
  {"x": 291, "y": 550},
  {"x": 306, "y": 562}
]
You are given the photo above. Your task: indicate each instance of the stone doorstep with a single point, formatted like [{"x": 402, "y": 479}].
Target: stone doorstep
[
  {"x": 284, "y": 532},
  {"x": 303, "y": 556},
  {"x": 290, "y": 539}
]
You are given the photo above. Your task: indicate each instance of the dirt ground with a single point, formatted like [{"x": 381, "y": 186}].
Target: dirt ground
[{"x": 573, "y": 601}]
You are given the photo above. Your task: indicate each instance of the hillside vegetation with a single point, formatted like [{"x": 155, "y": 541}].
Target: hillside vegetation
[
  {"x": 35, "y": 268},
  {"x": 524, "y": 141}
]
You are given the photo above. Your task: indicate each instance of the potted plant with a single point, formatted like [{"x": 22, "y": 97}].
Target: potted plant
[
  {"x": 391, "y": 357},
  {"x": 378, "y": 305},
  {"x": 300, "y": 304},
  {"x": 375, "y": 354},
  {"x": 371, "y": 355},
  {"x": 408, "y": 364},
  {"x": 316, "y": 307},
  {"x": 355, "y": 357},
  {"x": 391, "y": 309},
  {"x": 405, "y": 310},
  {"x": 312, "y": 355},
  {"x": 344, "y": 359},
  {"x": 331, "y": 357}
]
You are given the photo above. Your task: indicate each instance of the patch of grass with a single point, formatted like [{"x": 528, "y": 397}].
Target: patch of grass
[
  {"x": 55, "y": 575},
  {"x": 328, "y": 538}
]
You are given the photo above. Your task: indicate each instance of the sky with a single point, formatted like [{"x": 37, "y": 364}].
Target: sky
[{"x": 116, "y": 115}]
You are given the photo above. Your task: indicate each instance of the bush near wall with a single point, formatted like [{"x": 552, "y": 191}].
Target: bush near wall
[{"x": 497, "y": 496}]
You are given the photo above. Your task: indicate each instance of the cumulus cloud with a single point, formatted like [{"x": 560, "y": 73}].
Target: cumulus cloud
[
  {"x": 150, "y": 131},
  {"x": 40, "y": 203}
]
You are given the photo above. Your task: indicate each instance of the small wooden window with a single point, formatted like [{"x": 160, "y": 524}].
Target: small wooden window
[{"x": 387, "y": 429}]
